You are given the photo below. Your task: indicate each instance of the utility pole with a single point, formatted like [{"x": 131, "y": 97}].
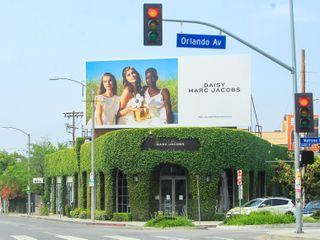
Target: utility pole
[{"x": 74, "y": 115}]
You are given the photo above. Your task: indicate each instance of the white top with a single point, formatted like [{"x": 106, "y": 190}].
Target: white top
[
  {"x": 156, "y": 108},
  {"x": 110, "y": 108},
  {"x": 129, "y": 117}
]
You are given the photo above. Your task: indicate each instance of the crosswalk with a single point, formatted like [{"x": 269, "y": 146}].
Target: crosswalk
[{"x": 111, "y": 237}]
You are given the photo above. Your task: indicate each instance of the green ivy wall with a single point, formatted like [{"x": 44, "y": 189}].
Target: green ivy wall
[{"x": 122, "y": 150}]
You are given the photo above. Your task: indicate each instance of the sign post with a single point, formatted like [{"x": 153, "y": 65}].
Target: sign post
[
  {"x": 239, "y": 183},
  {"x": 37, "y": 180}
]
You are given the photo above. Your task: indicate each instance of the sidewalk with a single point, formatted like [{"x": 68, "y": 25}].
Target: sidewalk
[{"x": 283, "y": 231}]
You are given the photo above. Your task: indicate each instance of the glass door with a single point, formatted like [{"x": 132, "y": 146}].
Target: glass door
[
  {"x": 173, "y": 196},
  {"x": 180, "y": 196},
  {"x": 166, "y": 196}
]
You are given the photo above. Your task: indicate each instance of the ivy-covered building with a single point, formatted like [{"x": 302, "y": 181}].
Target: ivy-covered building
[{"x": 143, "y": 171}]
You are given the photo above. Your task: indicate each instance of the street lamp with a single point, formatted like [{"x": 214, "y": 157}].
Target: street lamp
[
  {"x": 92, "y": 183},
  {"x": 28, "y": 186}
]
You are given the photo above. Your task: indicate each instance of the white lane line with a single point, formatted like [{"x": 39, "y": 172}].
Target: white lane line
[
  {"x": 170, "y": 238},
  {"x": 118, "y": 237},
  {"x": 70, "y": 237},
  {"x": 22, "y": 237},
  {"x": 221, "y": 238}
]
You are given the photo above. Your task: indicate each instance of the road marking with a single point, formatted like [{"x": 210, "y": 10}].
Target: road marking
[
  {"x": 117, "y": 237},
  {"x": 222, "y": 238},
  {"x": 171, "y": 238},
  {"x": 22, "y": 237},
  {"x": 70, "y": 237}
]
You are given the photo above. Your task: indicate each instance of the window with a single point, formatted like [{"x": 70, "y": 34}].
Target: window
[
  {"x": 267, "y": 203},
  {"x": 122, "y": 193},
  {"x": 277, "y": 202}
]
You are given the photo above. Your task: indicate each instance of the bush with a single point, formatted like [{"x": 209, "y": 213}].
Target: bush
[
  {"x": 219, "y": 217},
  {"x": 102, "y": 215},
  {"x": 44, "y": 211},
  {"x": 164, "y": 220},
  {"x": 76, "y": 212},
  {"x": 122, "y": 217},
  {"x": 316, "y": 215},
  {"x": 84, "y": 214},
  {"x": 256, "y": 218},
  {"x": 309, "y": 219},
  {"x": 67, "y": 210}
]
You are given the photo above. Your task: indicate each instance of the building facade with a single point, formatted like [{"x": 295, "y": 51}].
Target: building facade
[{"x": 142, "y": 171}]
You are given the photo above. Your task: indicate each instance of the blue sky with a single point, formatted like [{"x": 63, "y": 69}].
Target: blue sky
[
  {"x": 167, "y": 68},
  {"x": 41, "y": 39}
]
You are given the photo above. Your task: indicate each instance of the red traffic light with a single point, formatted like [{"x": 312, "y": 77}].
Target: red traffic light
[
  {"x": 152, "y": 24},
  {"x": 304, "y": 121},
  {"x": 153, "y": 12},
  {"x": 304, "y": 101}
]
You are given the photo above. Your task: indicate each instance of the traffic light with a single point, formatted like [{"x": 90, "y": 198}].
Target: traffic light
[
  {"x": 307, "y": 157},
  {"x": 152, "y": 24},
  {"x": 304, "y": 112}
]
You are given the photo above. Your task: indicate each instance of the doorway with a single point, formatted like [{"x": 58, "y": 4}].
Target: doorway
[{"x": 173, "y": 190}]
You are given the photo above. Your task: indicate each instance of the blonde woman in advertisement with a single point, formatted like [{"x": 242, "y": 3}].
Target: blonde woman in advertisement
[
  {"x": 157, "y": 100},
  {"x": 130, "y": 96},
  {"x": 107, "y": 102}
]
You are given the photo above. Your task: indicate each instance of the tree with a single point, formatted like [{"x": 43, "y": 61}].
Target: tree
[
  {"x": 285, "y": 175},
  {"x": 15, "y": 180},
  {"x": 7, "y": 159},
  {"x": 38, "y": 153},
  {"x": 311, "y": 180}
]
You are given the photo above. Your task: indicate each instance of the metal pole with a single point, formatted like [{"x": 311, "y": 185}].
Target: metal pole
[
  {"x": 92, "y": 183},
  {"x": 236, "y": 38},
  {"x": 296, "y": 135},
  {"x": 93, "y": 202},
  {"x": 199, "y": 216},
  {"x": 294, "y": 82},
  {"x": 28, "y": 187}
]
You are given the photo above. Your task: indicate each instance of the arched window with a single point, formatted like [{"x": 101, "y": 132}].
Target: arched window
[{"x": 122, "y": 193}]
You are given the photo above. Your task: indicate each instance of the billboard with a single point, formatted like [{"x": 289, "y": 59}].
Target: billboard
[{"x": 163, "y": 92}]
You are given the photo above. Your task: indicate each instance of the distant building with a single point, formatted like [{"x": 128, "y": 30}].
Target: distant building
[{"x": 284, "y": 137}]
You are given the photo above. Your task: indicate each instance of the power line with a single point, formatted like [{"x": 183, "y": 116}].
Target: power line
[{"x": 74, "y": 116}]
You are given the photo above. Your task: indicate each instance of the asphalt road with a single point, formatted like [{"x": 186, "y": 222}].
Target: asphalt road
[{"x": 23, "y": 228}]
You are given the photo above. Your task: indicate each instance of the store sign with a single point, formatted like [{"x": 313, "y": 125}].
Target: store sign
[{"x": 171, "y": 144}]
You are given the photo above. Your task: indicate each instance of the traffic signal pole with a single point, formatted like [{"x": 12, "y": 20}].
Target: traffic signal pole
[{"x": 292, "y": 69}]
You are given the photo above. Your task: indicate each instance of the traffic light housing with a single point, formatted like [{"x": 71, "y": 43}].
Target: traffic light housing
[
  {"x": 152, "y": 24},
  {"x": 304, "y": 112},
  {"x": 307, "y": 157}
]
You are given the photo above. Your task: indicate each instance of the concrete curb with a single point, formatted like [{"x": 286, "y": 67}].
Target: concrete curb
[{"x": 80, "y": 221}]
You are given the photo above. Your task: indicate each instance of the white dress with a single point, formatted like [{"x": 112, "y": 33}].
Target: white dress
[
  {"x": 156, "y": 108},
  {"x": 129, "y": 117},
  {"x": 110, "y": 106}
]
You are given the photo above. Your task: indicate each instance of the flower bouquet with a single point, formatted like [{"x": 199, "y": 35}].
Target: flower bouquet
[{"x": 140, "y": 111}]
